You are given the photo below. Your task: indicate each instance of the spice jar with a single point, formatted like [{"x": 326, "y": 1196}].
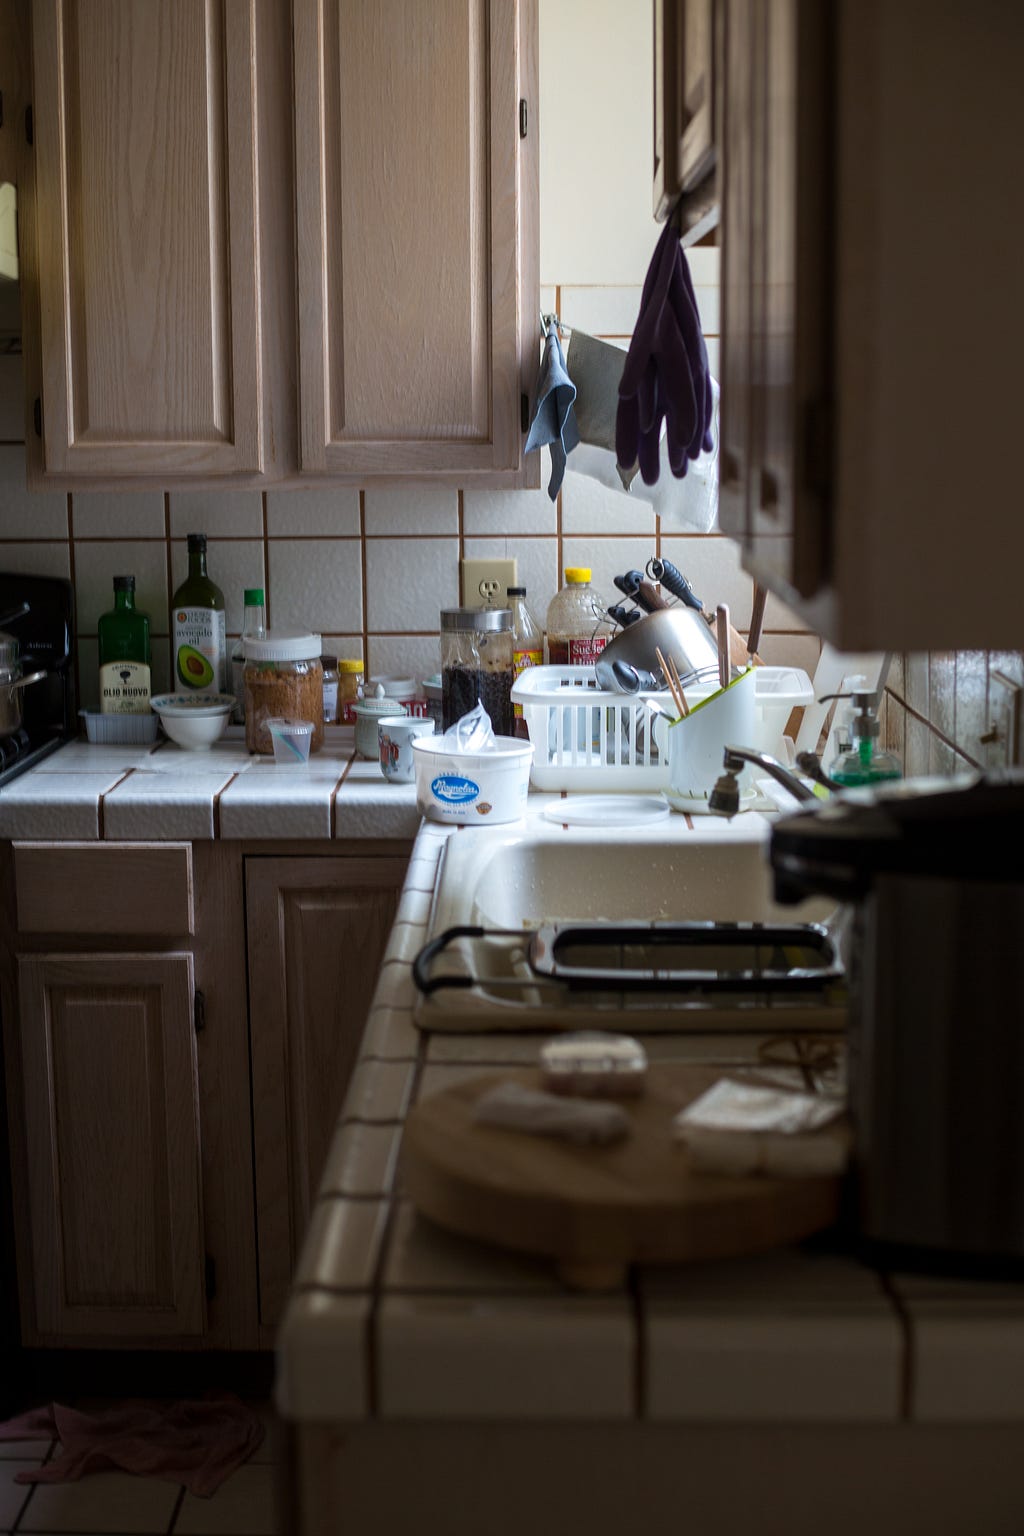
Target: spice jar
[
  {"x": 476, "y": 665},
  {"x": 283, "y": 678},
  {"x": 350, "y": 689},
  {"x": 329, "y": 664}
]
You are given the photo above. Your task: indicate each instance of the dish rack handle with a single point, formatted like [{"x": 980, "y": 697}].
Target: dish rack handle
[{"x": 429, "y": 953}]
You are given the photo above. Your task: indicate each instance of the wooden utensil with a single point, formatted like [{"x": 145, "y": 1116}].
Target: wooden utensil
[
  {"x": 595, "y": 1210},
  {"x": 724, "y": 645},
  {"x": 757, "y": 608}
]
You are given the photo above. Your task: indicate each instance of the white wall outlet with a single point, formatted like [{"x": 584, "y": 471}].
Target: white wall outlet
[{"x": 485, "y": 582}]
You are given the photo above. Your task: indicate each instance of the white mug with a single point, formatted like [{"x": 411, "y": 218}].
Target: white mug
[
  {"x": 696, "y": 743},
  {"x": 395, "y": 735}
]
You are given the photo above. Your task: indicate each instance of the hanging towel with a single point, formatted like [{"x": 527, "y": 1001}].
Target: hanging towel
[
  {"x": 554, "y": 421},
  {"x": 596, "y": 367},
  {"x": 197, "y": 1444}
]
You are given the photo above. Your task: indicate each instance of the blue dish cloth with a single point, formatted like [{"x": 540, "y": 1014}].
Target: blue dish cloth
[{"x": 554, "y": 420}]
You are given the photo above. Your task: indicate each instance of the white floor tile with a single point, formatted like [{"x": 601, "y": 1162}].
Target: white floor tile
[
  {"x": 243, "y": 1506},
  {"x": 108, "y": 1502}
]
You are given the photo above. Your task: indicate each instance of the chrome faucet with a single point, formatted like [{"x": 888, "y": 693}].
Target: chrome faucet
[{"x": 725, "y": 797}]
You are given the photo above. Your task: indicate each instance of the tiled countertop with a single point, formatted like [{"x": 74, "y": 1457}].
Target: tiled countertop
[
  {"x": 392, "y": 1319},
  {"x": 163, "y": 793}
]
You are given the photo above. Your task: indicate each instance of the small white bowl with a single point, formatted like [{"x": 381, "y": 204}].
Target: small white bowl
[
  {"x": 194, "y": 720},
  {"x": 292, "y": 740}
]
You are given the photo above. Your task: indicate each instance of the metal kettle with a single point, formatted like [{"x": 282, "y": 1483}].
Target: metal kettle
[{"x": 936, "y": 1036}]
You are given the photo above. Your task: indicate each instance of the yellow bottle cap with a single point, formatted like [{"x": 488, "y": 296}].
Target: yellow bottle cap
[
  {"x": 347, "y": 665},
  {"x": 577, "y": 573}
]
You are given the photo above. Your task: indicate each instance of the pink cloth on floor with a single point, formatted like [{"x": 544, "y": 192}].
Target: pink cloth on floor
[{"x": 198, "y": 1444}]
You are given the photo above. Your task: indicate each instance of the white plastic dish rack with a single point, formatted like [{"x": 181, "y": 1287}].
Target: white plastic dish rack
[{"x": 586, "y": 737}]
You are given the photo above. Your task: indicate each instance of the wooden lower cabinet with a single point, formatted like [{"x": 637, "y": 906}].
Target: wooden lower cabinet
[
  {"x": 312, "y": 926},
  {"x": 172, "y": 1094},
  {"x": 111, "y": 1098}
]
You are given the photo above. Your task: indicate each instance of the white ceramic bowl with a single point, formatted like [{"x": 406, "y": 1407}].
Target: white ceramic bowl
[{"x": 194, "y": 720}]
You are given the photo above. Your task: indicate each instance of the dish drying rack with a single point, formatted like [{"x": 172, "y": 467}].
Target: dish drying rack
[
  {"x": 583, "y": 734},
  {"x": 587, "y": 737}
]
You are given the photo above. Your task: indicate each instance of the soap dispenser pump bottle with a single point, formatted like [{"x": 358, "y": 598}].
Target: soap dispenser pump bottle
[{"x": 862, "y": 763}]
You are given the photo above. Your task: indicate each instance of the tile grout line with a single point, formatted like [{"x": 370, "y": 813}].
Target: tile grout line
[{"x": 179, "y": 1501}]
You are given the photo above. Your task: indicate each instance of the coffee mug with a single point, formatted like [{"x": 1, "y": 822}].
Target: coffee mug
[
  {"x": 696, "y": 743},
  {"x": 395, "y": 734}
]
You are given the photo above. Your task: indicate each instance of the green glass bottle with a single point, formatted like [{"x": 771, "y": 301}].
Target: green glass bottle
[
  {"x": 198, "y": 626},
  {"x": 124, "y": 654}
]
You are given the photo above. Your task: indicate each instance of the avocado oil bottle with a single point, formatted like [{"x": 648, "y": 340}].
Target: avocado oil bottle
[
  {"x": 124, "y": 657},
  {"x": 198, "y": 633}
]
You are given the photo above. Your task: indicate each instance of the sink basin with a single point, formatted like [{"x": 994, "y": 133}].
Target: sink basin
[
  {"x": 537, "y": 874},
  {"x": 545, "y": 874}
]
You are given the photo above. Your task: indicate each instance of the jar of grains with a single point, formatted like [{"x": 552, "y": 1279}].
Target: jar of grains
[
  {"x": 282, "y": 677},
  {"x": 350, "y": 689}
]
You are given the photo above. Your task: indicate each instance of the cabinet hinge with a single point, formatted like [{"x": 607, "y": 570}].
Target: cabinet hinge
[
  {"x": 29, "y": 139},
  {"x": 211, "y": 1277},
  {"x": 199, "y": 1011},
  {"x": 522, "y": 117},
  {"x": 37, "y": 415},
  {"x": 524, "y": 412}
]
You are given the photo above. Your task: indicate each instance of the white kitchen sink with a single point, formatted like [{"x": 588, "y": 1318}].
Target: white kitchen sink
[{"x": 538, "y": 873}]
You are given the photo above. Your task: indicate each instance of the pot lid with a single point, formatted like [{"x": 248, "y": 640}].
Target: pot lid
[{"x": 968, "y": 829}]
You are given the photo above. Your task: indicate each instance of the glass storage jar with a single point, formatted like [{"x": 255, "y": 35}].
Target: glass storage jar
[
  {"x": 329, "y": 664},
  {"x": 476, "y": 664},
  {"x": 283, "y": 678}
]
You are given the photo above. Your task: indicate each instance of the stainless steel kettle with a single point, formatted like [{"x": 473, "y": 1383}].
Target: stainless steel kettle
[
  {"x": 937, "y": 1007},
  {"x": 12, "y": 680}
]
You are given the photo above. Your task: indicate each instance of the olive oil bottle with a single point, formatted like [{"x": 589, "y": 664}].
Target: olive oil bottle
[
  {"x": 198, "y": 626},
  {"x": 124, "y": 654}
]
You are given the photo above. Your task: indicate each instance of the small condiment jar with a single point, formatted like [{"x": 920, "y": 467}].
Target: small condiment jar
[
  {"x": 367, "y": 714},
  {"x": 330, "y": 669},
  {"x": 350, "y": 688}
]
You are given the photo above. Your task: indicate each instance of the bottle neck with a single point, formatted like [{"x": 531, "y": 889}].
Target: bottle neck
[
  {"x": 197, "y": 562},
  {"x": 124, "y": 601},
  {"x": 254, "y": 619}
]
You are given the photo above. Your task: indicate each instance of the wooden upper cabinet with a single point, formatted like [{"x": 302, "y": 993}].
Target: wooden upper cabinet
[
  {"x": 110, "y": 1095},
  {"x": 408, "y": 208},
  {"x": 684, "y": 108},
  {"x": 147, "y": 224}
]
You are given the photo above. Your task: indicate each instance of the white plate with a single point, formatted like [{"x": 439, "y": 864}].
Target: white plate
[{"x": 607, "y": 810}]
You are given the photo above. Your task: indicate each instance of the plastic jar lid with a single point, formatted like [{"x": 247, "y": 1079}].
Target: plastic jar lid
[
  {"x": 347, "y": 664},
  {"x": 483, "y": 620},
  {"x": 577, "y": 573},
  {"x": 283, "y": 645}
]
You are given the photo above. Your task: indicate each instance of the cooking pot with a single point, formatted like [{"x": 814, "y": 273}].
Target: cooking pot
[
  {"x": 12, "y": 681},
  {"x": 677, "y": 632},
  {"x": 936, "y": 1028}
]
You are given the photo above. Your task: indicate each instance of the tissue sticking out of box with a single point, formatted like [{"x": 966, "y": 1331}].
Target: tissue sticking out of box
[{"x": 740, "y": 1129}]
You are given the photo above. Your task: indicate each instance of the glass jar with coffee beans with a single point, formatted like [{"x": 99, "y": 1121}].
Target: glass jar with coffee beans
[{"x": 476, "y": 665}]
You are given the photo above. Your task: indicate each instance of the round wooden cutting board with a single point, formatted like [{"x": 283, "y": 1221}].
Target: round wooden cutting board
[{"x": 595, "y": 1210}]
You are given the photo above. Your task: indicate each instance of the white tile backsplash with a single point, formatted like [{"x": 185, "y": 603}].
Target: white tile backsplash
[
  {"x": 332, "y": 512},
  {"x": 219, "y": 514},
  {"x": 119, "y": 515},
  {"x": 412, "y": 509},
  {"x": 316, "y": 584},
  {"x": 590, "y": 507},
  {"x": 408, "y": 581},
  {"x": 37, "y": 559},
  {"x": 96, "y": 565},
  {"x": 26, "y": 514}
]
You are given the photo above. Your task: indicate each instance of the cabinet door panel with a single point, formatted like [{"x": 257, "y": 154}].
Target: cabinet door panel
[
  {"x": 147, "y": 223},
  {"x": 317, "y": 929},
  {"x": 407, "y": 133},
  {"x": 112, "y": 1128}
]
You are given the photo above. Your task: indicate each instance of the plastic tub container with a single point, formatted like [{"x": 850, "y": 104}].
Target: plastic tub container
[
  {"x": 292, "y": 740},
  {"x": 120, "y": 730},
  {"x": 474, "y": 789}
]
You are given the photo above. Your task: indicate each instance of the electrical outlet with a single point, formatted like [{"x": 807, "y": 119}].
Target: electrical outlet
[{"x": 485, "y": 582}]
